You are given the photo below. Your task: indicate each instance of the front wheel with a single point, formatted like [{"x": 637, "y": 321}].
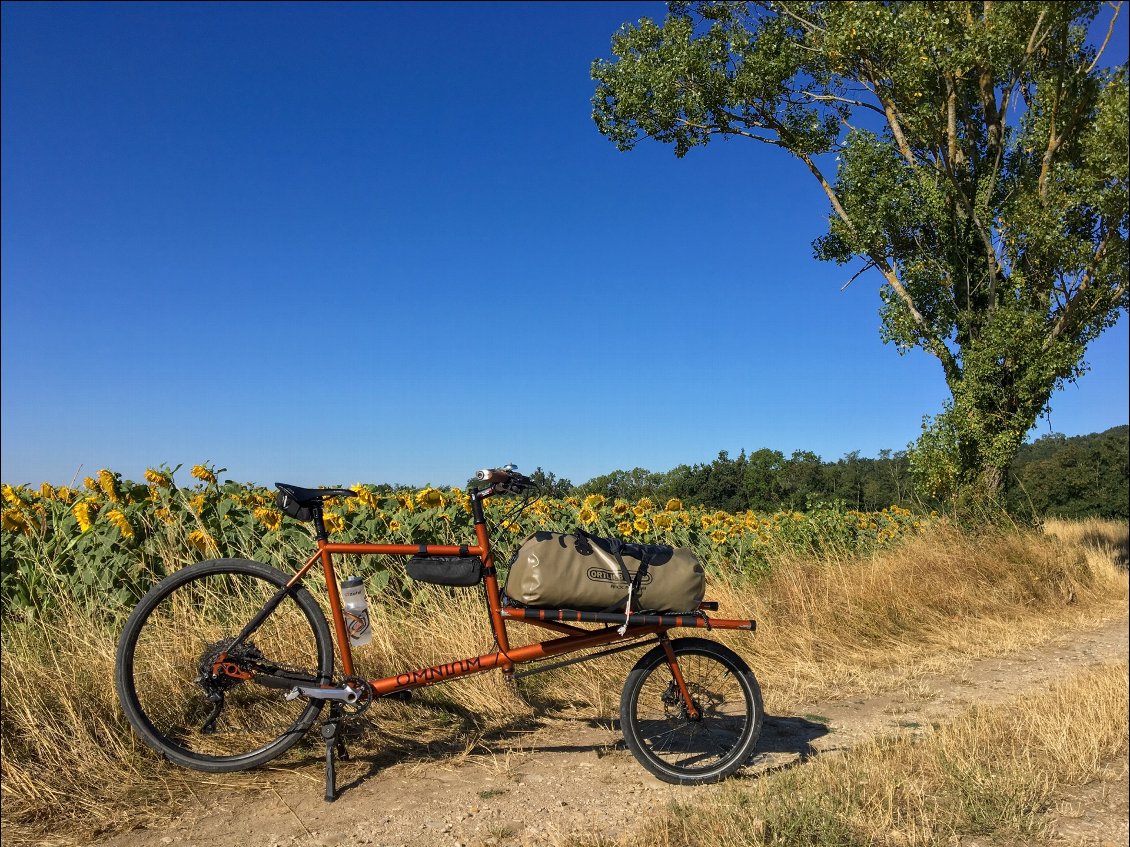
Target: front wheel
[
  {"x": 707, "y": 742},
  {"x": 165, "y": 669}
]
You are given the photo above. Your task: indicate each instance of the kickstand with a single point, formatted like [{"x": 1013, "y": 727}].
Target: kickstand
[{"x": 335, "y": 743}]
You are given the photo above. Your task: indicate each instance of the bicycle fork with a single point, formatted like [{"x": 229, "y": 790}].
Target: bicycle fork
[{"x": 677, "y": 679}]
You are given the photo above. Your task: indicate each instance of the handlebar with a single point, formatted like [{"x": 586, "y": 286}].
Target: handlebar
[{"x": 505, "y": 479}]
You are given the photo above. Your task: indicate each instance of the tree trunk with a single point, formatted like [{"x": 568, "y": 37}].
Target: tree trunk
[{"x": 992, "y": 481}]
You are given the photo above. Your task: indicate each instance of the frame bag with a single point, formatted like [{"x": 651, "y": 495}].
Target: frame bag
[
  {"x": 459, "y": 571},
  {"x": 552, "y": 570}
]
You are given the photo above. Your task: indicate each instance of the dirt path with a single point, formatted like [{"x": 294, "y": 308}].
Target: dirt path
[{"x": 574, "y": 776}]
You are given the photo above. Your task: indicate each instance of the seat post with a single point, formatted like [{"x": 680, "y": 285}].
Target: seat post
[{"x": 319, "y": 524}]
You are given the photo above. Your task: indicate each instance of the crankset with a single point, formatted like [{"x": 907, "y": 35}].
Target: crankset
[{"x": 354, "y": 695}]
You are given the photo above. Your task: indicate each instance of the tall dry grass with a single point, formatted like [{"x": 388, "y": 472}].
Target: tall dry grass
[
  {"x": 841, "y": 625},
  {"x": 992, "y": 773},
  {"x": 848, "y": 625}
]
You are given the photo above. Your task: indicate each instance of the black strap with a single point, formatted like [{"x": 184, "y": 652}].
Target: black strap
[{"x": 617, "y": 546}]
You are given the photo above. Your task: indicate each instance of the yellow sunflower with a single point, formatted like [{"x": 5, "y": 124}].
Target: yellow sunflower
[
  {"x": 84, "y": 512},
  {"x": 118, "y": 519},
  {"x": 14, "y": 520},
  {"x": 202, "y": 541},
  {"x": 203, "y": 474},
  {"x": 430, "y": 498},
  {"x": 108, "y": 482},
  {"x": 160, "y": 479},
  {"x": 271, "y": 519}
]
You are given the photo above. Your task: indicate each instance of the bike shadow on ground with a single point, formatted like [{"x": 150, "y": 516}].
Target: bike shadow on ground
[
  {"x": 373, "y": 746},
  {"x": 785, "y": 741}
]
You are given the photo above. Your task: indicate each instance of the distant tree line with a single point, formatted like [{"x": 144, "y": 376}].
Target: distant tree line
[
  {"x": 1085, "y": 476},
  {"x": 1055, "y": 476}
]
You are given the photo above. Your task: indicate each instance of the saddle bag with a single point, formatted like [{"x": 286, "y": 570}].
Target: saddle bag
[
  {"x": 459, "y": 571},
  {"x": 589, "y": 574}
]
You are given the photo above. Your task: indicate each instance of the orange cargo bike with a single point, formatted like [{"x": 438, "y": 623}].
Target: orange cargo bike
[{"x": 225, "y": 664}]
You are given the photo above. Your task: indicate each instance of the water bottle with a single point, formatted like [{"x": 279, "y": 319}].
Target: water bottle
[{"x": 356, "y": 610}]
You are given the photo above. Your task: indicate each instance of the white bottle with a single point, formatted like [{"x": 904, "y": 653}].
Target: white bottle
[{"x": 356, "y": 610}]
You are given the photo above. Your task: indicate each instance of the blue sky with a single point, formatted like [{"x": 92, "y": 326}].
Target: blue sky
[{"x": 384, "y": 242}]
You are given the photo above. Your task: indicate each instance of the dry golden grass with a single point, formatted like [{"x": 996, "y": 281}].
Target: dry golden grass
[
  {"x": 851, "y": 626},
  {"x": 69, "y": 757},
  {"x": 71, "y": 763},
  {"x": 847, "y": 626},
  {"x": 992, "y": 773},
  {"x": 1105, "y": 543}
]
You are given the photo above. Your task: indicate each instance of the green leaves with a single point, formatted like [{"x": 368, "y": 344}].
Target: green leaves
[{"x": 981, "y": 168}]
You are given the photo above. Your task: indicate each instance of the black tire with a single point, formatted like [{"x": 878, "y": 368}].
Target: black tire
[
  {"x": 654, "y": 720},
  {"x": 174, "y": 632}
]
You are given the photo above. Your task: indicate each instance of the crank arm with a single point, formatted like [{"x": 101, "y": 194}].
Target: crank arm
[
  {"x": 343, "y": 693},
  {"x": 279, "y": 681}
]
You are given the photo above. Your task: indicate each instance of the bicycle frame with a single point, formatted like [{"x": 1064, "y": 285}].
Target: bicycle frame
[{"x": 573, "y": 638}]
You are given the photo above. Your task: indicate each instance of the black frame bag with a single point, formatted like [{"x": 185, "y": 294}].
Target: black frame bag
[{"x": 455, "y": 571}]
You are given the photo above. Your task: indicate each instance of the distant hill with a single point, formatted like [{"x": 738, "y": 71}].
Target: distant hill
[{"x": 1083, "y": 476}]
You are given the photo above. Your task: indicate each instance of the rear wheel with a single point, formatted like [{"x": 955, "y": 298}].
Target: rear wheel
[
  {"x": 165, "y": 669},
  {"x": 707, "y": 742}
]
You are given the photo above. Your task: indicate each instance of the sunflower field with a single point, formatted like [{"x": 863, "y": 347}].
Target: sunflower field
[{"x": 106, "y": 542}]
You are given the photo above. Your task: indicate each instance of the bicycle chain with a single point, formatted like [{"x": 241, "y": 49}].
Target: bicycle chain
[{"x": 350, "y": 711}]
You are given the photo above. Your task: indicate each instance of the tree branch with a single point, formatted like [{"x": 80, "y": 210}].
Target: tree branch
[
  {"x": 1110, "y": 29},
  {"x": 728, "y": 130},
  {"x": 837, "y": 207},
  {"x": 934, "y": 344},
  {"x": 857, "y": 275},
  {"x": 808, "y": 25},
  {"x": 951, "y": 120},
  {"x": 1035, "y": 39},
  {"x": 859, "y": 103},
  {"x": 994, "y": 123},
  {"x": 896, "y": 130},
  {"x": 1071, "y": 299}
]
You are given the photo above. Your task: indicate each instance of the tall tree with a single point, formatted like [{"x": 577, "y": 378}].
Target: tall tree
[{"x": 974, "y": 154}]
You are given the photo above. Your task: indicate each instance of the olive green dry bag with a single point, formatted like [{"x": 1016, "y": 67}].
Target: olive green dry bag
[{"x": 556, "y": 571}]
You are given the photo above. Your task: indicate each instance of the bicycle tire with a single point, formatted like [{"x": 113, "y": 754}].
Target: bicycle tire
[
  {"x": 655, "y": 722},
  {"x": 178, "y": 628}
]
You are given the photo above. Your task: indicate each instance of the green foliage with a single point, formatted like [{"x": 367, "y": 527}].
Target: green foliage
[
  {"x": 1086, "y": 476},
  {"x": 979, "y": 153},
  {"x": 768, "y": 481},
  {"x": 1054, "y": 477},
  {"x": 105, "y": 546},
  {"x": 107, "y": 543}
]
